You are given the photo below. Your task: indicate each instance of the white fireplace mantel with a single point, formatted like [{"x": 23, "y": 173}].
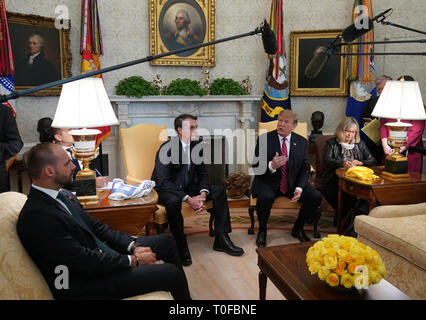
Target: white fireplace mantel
[
  {"x": 163, "y": 109},
  {"x": 213, "y": 112}
]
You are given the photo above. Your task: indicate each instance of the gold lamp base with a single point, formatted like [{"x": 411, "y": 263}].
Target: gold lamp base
[
  {"x": 396, "y": 165},
  {"x": 85, "y": 150}
]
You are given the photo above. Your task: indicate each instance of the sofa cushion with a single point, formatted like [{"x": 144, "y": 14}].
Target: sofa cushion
[
  {"x": 20, "y": 278},
  {"x": 402, "y": 235},
  {"x": 156, "y": 295},
  {"x": 392, "y": 211}
]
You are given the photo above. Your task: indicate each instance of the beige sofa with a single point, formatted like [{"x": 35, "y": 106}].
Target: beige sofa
[
  {"x": 398, "y": 233},
  {"x": 20, "y": 279}
]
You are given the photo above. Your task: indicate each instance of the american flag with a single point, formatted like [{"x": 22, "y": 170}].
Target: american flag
[{"x": 7, "y": 69}]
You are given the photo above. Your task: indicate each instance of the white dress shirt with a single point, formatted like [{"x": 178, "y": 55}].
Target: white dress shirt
[
  {"x": 287, "y": 142},
  {"x": 188, "y": 145}
]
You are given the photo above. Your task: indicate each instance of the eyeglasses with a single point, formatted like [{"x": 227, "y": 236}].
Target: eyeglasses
[{"x": 350, "y": 131}]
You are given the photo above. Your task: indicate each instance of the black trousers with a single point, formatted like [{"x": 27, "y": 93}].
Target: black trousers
[
  {"x": 139, "y": 280},
  {"x": 173, "y": 204},
  {"x": 311, "y": 199},
  {"x": 4, "y": 178}
]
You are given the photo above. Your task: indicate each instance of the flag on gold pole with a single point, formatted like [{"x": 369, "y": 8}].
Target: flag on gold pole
[
  {"x": 276, "y": 91},
  {"x": 361, "y": 73},
  {"x": 91, "y": 48}
]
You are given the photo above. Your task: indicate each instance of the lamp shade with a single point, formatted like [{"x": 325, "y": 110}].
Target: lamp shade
[
  {"x": 400, "y": 100},
  {"x": 84, "y": 104}
]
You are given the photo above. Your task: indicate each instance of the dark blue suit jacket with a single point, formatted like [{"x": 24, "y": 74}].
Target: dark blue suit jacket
[
  {"x": 170, "y": 176},
  {"x": 298, "y": 162},
  {"x": 52, "y": 237}
]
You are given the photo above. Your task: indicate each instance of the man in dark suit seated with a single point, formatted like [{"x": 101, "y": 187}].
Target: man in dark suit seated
[
  {"x": 101, "y": 263},
  {"x": 10, "y": 143},
  {"x": 286, "y": 168},
  {"x": 178, "y": 162}
]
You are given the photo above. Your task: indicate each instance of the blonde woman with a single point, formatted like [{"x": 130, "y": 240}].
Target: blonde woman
[{"x": 345, "y": 150}]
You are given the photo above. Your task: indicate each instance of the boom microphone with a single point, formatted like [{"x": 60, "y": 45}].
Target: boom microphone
[
  {"x": 316, "y": 64},
  {"x": 268, "y": 38},
  {"x": 356, "y": 30},
  {"x": 320, "y": 58}
]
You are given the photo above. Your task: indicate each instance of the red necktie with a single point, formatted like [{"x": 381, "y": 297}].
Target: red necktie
[{"x": 284, "y": 181}]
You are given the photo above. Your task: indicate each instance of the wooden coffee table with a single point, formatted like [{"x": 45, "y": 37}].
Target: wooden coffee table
[
  {"x": 286, "y": 267},
  {"x": 126, "y": 215}
]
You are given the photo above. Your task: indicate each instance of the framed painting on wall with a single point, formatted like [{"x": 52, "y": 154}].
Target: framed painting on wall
[
  {"x": 176, "y": 24},
  {"x": 41, "y": 52},
  {"x": 331, "y": 80}
]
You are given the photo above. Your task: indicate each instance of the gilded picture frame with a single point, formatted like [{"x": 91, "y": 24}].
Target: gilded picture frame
[
  {"x": 30, "y": 33},
  {"x": 331, "y": 80},
  {"x": 170, "y": 30}
]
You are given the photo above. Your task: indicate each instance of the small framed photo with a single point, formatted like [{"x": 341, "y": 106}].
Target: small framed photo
[
  {"x": 41, "y": 52},
  {"x": 331, "y": 80},
  {"x": 176, "y": 24}
]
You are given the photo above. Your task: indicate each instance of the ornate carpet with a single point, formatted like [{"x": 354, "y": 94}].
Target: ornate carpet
[{"x": 241, "y": 220}]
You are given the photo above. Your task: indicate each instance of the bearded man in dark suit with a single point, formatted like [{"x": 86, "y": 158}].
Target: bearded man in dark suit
[
  {"x": 102, "y": 263},
  {"x": 181, "y": 176},
  {"x": 284, "y": 155}
]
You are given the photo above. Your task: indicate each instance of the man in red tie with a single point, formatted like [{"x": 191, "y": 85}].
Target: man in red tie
[{"x": 286, "y": 173}]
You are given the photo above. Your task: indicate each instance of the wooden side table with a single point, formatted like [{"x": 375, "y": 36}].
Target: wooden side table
[
  {"x": 383, "y": 191},
  {"x": 126, "y": 215}
]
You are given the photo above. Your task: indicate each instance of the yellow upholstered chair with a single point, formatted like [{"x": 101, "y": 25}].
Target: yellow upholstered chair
[
  {"x": 20, "y": 278},
  {"x": 140, "y": 144},
  {"x": 281, "y": 202}
]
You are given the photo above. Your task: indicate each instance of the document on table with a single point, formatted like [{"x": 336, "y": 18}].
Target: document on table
[{"x": 372, "y": 130}]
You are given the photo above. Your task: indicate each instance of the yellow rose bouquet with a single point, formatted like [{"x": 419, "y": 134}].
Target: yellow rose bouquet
[{"x": 341, "y": 260}]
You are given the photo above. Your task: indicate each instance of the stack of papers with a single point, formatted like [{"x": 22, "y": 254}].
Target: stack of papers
[{"x": 372, "y": 131}]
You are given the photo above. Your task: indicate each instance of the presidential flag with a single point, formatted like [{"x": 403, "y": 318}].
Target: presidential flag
[
  {"x": 276, "y": 91},
  {"x": 91, "y": 48},
  {"x": 361, "y": 73}
]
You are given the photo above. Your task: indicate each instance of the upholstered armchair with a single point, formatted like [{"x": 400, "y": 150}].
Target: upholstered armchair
[
  {"x": 140, "y": 144},
  {"x": 397, "y": 232},
  {"x": 282, "y": 203},
  {"x": 20, "y": 279}
]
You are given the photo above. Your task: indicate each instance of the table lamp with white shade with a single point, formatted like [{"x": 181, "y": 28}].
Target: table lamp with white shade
[
  {"x": 84, "y": 104},
  {"x": 399, "y": 100}
]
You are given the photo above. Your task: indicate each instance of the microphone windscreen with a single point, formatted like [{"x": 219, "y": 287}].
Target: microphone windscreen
[
  {"x": 269, "y": 40},
  {"x": 354, "y": 31},
  {"x": 315, "y": 65}
]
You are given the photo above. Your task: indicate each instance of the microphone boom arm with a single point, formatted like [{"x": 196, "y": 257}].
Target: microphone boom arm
[
  {"x": 380, "y": 53},
  {"x": 402, "y": 27},
  {"x": 18, "y": 94}
]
